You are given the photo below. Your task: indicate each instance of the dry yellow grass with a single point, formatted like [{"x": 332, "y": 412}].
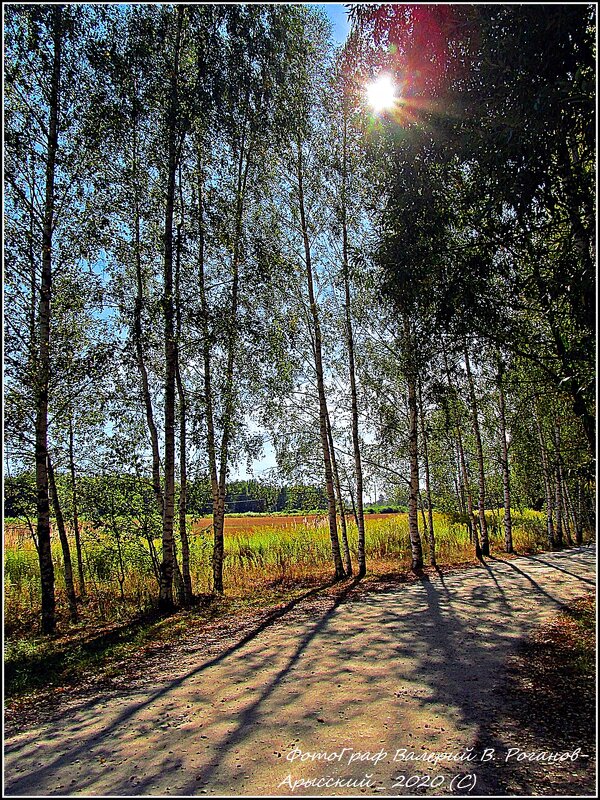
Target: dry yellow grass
[{"x": 261, "y": 553}]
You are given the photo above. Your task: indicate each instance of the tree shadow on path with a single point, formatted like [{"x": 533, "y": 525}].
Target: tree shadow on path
[
  {"x": 55, "y": 766},
  {"x": 427, "y": 653},
  {"x": 562, "y": 569}
]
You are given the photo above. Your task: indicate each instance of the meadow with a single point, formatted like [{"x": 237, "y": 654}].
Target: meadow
[{"x": 262, "y": 554}]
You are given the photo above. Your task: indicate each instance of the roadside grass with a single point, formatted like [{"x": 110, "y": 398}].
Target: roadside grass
[
  {"x": 42, "y": 662},
  {"x": 257, "y": 555},
  {"x": 89, "y": 653},
  {"x": 263, "y": 566},
  {"x": 581, "y": 639}
]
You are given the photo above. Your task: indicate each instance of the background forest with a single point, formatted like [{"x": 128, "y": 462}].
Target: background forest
[{"x": 214, "y": 243}]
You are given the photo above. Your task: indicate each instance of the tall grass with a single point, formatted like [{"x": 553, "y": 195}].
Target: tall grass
[{"x": 254, "y": 558}]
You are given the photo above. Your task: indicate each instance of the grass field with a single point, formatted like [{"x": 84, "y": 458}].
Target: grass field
[
  {"x": 269, "y": 560},
  {"x": 261, "y": 552}
]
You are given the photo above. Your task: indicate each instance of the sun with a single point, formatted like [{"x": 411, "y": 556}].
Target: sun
[{"x": 381, "y": 94}]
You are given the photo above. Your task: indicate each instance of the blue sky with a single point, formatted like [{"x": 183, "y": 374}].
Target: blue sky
[{"x": 337, "y": 14}]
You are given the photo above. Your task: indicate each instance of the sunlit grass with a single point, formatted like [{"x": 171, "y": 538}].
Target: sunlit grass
[
  {"x": 257, "y": 559},
  {"x": 264, "y": 565}
]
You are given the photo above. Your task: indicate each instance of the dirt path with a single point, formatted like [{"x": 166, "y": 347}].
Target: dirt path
[{"x": 413, "y": 669}]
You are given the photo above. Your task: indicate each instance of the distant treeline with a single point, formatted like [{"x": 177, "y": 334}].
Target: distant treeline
[
  {"x": 101, "y": 491},
  {"x": 251, "y": 495}
]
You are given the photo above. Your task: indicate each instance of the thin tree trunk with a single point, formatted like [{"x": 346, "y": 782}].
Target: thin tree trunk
[
  {"x": 587, "y": 509},
  {"x": 186, "y": 595},
  {"x": 335, "y": 545},
  {"x": 558, "y": 524},
  {"x": 43, "y": 372},
  {"x": 413, "y": 522},
  {"x": 219, "y": 538},
  {"x": 508, "y": 542},
  {"x": 423, "y": 517},
  {"x": 338, "y": 488},
  {"x": 546, "y": 477},
  {"x": 413, "y": 452},
  {"x": 33, "y": 270},
  {"x": 558, "y": 520},
  {"x": 165, "y": 600},
  {"x": 429, "y": 529},
  {"x": 219, "y": 516},
  {"x": 64, "y": 543},
  {"x": 218, "y": 544},
  {"x": 578, "y": 516},
  {"x": 457, "y": 479},
  {"x": 185, "y": 545},
  {"x": 360, "y": 514},
  {"x": 177, "y": 577},
  {"x": 567, "y": 511},
  {"x": 463, "y": 468},
  {"x": 74, "y": 500},
  {"x": 485, "y": 544},
  {"x": 138, "y": 333},
  {"x": 121, "y": 573},
  {"x": 354, "y": 511},
  {"x": 229, "y": 389},
  {"x": 465, "y": 477}
]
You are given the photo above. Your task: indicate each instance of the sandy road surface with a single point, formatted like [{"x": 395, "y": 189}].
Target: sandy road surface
[{"x": 411, "y": 668}]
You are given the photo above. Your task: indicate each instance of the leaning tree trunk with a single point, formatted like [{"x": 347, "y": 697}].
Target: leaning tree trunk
[
  {"x": 570, "y": 381},
  {"x": 413, "y": 453},
  {"x": 359, "y": 507},
  {"x": 64, "y": 543},
  {"x": 335, "y": 544},
  {"x": 485, "y": 544},
  {"x": 580, "y": 210},
  {"x": 570, "y": 511},
  {"x": 508, "y": 542},
  {"x": 351, "y": 493},
  {"x": 165, "y": 599},
  {"x": 137, "y": 332},
  {"x": 75, "y": 501},
  {"x": 43, "y": 362}
]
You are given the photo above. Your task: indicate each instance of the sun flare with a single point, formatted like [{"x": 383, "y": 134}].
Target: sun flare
[{"x": 381, "y": 94}]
